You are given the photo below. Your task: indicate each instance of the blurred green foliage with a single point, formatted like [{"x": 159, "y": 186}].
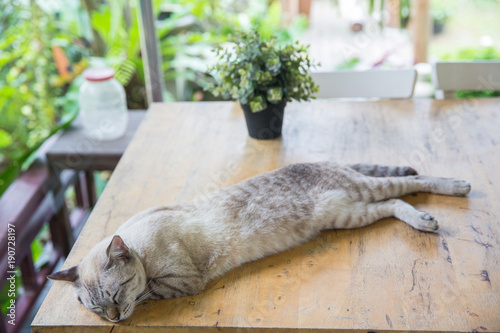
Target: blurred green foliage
[
  {"x": 257, "y": 71},
  {"x": 33, "y": 105},
  {"x": 4, "y": 293},
  {"x": 475, "y": 53},
  {"x": 442, "y": 10},
  {"x": 348, "y": 64},
  {"x": 194, "y": 27},
  {"x": 36, "y": 102},
  {"x": 116, "y": 43}
]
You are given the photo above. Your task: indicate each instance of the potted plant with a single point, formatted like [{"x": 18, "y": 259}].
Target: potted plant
[{"x": 263, "y": 78}]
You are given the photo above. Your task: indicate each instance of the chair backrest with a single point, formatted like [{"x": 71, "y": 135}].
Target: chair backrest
[
  {"x": 460, "y": 75},
  {"x": 380, "y": 83}
]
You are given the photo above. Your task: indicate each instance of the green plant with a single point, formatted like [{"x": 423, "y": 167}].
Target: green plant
[
  {"x": 33, "y": 106},
  {"x": 476, "y": 53},
  {"x": 257, "y": 72},
  {"x": 6, "y": 295},
  {"x": 348, "y": 64},
  {"x": 222, "y": 18},
  {"x": 116, "y": 28},
  {"x": 404, "y": 13},
  {"x": 441, "y": 10},
  {"x": 193, "y": 28}
]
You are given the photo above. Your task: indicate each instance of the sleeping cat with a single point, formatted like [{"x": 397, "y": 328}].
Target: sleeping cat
[{"x": 167, "y": 252}]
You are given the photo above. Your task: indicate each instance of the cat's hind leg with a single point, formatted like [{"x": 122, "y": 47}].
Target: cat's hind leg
[
  {"x": 374, "y": 170},
  {"x": 377, "y": 189},
  {"x": 405, "y": 212}
]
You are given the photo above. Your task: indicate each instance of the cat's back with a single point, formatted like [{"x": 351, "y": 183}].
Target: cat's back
[
  {"x": 288, "y": 193},
  {"x": 293, "y": 179}
]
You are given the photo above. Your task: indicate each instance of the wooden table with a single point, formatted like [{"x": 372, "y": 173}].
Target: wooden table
[
  {"x": 74, "y": 150},
  {"x": 385, "y": 277}
]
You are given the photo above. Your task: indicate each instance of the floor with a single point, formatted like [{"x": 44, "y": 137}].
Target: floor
[
  {"x": 334, "y": 45},
  {"x": 332, "y": 42}
]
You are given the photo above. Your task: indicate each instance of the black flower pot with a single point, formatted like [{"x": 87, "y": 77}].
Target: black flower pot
[{"x": 265, "y": 124}]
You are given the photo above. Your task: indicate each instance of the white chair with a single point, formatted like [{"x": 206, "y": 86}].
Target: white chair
[
  {"x": 476, "y": 75},
  {"x": 377, "y": 83}
]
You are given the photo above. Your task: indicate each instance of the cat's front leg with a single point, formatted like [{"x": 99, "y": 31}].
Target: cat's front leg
[
  {"x": 372, "y": 212},
  {"x": 169, "y": 286}
]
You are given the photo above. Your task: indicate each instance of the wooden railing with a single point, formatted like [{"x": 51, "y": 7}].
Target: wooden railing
[{"x": 36, "y": 198}]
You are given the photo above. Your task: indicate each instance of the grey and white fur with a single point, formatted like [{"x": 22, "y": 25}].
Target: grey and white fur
[{"x": 174, "y": 251}]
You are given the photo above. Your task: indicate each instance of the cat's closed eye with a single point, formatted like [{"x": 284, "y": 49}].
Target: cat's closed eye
[{"x": 114, "y": 297}]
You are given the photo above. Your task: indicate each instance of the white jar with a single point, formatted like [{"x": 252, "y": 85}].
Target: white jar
[{"x": 103, "y": 105}]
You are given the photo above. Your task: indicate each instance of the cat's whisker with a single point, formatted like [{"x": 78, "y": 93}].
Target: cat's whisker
[
  {"x": 125, "y": 311},
  {"x": 149, "y": 292},
  {"x": 144, "y": 296},
  {"x": 141, "y": 298}
]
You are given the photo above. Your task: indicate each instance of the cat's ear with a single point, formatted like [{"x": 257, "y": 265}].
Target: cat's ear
[
  {"x": 117, "y": 252},
  {"x": 69, "y": 275}
]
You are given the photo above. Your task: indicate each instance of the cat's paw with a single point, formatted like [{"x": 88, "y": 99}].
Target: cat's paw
[
  {"x": 460, "y": 187},
  {"x": 427, "y": 222},
  {"x": 408, "y": 171}
]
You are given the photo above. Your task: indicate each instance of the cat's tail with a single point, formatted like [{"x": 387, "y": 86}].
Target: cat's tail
[{"x": 374, "y": 170}]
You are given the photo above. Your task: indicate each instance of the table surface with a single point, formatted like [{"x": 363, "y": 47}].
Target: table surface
[
  {"x": 74, "y": 150},
  {"x": 385, "y": 277}
]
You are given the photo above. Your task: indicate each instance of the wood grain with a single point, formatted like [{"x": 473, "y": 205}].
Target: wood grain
[{"x": 385, "y": 277}]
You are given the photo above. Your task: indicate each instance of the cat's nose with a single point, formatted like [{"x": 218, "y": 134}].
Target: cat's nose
[{"x": 113, "y": 314}]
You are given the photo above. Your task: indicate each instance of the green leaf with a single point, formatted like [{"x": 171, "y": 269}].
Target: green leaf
[
  {"x": 259, "y": 71},
  {"x": 5, "y": 139},
  {"x": 275, "y": 94},
  {"x": 257, "y": 104}
]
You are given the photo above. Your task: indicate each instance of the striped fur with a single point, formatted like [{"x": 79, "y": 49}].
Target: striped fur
[
  {"x": 167, "y": 252},
  {"x": 374, "y": 170}
]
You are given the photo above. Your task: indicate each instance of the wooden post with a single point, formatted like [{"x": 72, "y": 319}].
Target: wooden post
[
  {"x": 28, "y": 273},
  {"x": 90, "y": 188},
  {"x": 305, "y": 7},
  {"x": 394, "y": 10},
  {"x": 290, "y": 9},
  {"x": 60, "y": 229},
  {"x": 421, "y": 27},
  {"x": 150, "y": 52}
]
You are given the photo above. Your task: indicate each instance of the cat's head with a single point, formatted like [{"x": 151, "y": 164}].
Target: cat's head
[{"x": 108, "y": 280}]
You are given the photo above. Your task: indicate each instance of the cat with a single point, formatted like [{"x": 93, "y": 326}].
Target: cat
[{"x": 174, "y": 251}]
